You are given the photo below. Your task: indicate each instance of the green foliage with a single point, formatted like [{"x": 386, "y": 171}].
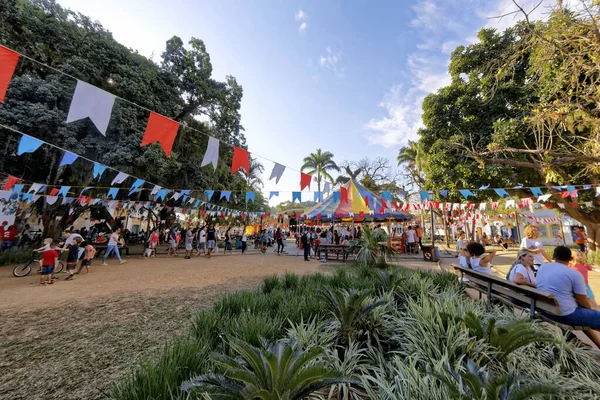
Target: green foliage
[
  {"x": 371, "y": 253},
  {"x": 16, "y": 256},
  {"x": 319, "y": 164},
  {"x": 276, "y": 371},
  {"x": 270, "y": 283}
]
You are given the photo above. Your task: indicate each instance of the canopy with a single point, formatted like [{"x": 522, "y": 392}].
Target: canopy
[{"x": 360, "y": 203}]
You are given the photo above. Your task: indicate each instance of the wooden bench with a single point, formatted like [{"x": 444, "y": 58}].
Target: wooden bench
[
  {"x": 337, "y": 249},
  {"x": 536, "y": 301}
]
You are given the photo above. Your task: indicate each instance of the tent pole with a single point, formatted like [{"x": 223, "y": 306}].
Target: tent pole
[{"x": 353, "y": 236}]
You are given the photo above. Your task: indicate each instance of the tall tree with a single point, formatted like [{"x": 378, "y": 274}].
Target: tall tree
[
  {"x": 319, "y": 164},
  {"x": 522, "y": 108},
  {"x": 412, "y": 157}
]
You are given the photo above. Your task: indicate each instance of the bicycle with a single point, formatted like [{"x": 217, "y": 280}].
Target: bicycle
[{"x": 25, "y": 269}]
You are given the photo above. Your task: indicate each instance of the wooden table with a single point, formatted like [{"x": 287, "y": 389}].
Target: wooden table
[{"x": 337, "y": 249}]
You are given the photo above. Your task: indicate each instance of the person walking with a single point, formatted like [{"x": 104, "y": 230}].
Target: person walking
[
  {"x": 228, "y": 247},
  {"x": 244, "y": 240},
  {"x": 113, "y": 246},
  {"x": 189, "y": 241},
  {"x": 419, "y": 233},
  {"x": 211, "y": 238},
  {"x": 279, "y": 239},
  {"x": 305, "y": 245}
]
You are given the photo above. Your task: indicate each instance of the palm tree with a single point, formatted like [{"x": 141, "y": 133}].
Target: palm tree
[
  {"x": 319, "y": 164},
  {"x": 253, "y": 178},
  {"x": 350, "y": 175},
  {"x": 412, "y": 155},
  {"x": 276, "y": 371}
]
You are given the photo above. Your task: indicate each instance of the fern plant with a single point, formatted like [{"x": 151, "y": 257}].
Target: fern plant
[
  {"x": 277, "y": 371},
  {"x": 371, "y": 252}
]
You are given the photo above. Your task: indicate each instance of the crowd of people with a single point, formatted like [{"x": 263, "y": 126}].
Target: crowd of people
[{"x": 564, "y": 274}]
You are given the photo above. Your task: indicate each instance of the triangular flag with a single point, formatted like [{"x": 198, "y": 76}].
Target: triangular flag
[
  {"x": 225, "y": 195},
  {"x": 483, "y": 187},
  {"x": 160, "y": 129},
  {"x": 501, "y": 192},
  {"x": 536, "y": 191},
  {"x": 277, "y": 172},
  {"x": 18, "y": 188},
  {"x": 250, "y": 196},
  {"x": 305, "y": 180},
  {"x": 68, "y": 158},
  {"x": 35, "y": 187},
  {"x": 273, "y": 194},
  {"x": 212, "y": 153},
  {"x": 327, "y": 187},
  {"x": 51, "y": 199},
  {"x": 318, "y": 197},
  {"x": 544, "y": 197},
  {"x": 572, "y": 191},
  {"x": 209, "y": 194},
  {"x": 112, "y": 192},
  {"x": 297, "y": 196},
  {"x": 155, "y": 190},
  {"x": 28, "y": 144},
  {"x": 121, "y": 176},
  {"x": 424, "y": 195},
  {"x": 343, "y": 194},
  {"x": 8, "y": 63},
  {"x": 466, "y": 193},
  {"x": 64, "y": 191},
  {"x": 136, "y": 185},
  {"x": 161, "y": 194},
  {"x": 241, "y": 159},
  {"x": 10, "y": 182},
  {"x": 98, "y": 170},
  {"x": 336, "y": 196},
  {"x": 444, "y": 193},
  {"x": 93, "y": 103}
]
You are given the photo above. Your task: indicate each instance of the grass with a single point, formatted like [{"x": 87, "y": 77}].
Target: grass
[
  {"x": 15, "y": 256},
  {"x": 410, "y": 341}
]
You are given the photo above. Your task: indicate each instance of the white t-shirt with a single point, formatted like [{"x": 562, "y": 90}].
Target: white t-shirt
[
  {"x": 410, "y": 234},
  {"x": 475, "y": 265},
  {"x": 526, "y": 272},
  {"x": 563, "y": 282},
  {"x": 114, "y": 239},
  {"x": 71, "y": 238},
  {"x": 527, "y": 243},
  {"x": 203, "y": 236},
  {"x": 244, "y": 237}
]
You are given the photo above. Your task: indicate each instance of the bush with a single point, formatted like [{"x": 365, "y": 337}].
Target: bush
[{"x": 16, "y": 256}]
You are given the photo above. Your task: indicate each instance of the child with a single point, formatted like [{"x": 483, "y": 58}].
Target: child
[
  {"x": 46, "y": 246},
  {"x": 88, "y": 255},
  {"x": 578, "y": 263},
  {"x": 478, "y": 261},
  {"x": 72, "y": 258},
  {"x": 49, "y": 261}
]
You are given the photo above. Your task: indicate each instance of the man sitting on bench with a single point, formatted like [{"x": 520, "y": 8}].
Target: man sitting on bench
[{"x": 568, "y": 287}]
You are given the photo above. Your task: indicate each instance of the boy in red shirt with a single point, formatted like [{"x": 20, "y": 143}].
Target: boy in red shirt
[{"x": 49, "y": 261}]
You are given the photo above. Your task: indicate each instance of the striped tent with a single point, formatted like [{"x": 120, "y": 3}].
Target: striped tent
[{"x": 353, "y": 200}]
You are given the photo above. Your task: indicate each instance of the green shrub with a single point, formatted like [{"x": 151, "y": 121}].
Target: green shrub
[
  {"x": 251, "y": 327},
  {"x": 269, "y": 283},
  {"x": 290, "y": 281},
  {"x": 16, "y": 256}
]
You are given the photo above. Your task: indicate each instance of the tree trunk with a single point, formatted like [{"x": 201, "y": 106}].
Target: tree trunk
[{"x": 593, "y": 239}]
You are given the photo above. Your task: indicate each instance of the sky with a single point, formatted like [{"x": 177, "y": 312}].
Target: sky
[{"x": 345, "y": 76}]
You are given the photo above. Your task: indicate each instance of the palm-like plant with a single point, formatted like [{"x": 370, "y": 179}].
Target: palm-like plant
[
  {"x": 387, "y": 280},
  {"x": 505, "y": 339},
  {"x": 413, "y": 157},
  {"x": 319, "y": 164},
  {"x": 253, "y": 178},
  {"x": 277, "y": 371},
  {"x": 350, "y": 174},
  {"x": 479, "y": 384},
  {"x": 350, "y": 311},
  {"x": 371, "y": 252}
]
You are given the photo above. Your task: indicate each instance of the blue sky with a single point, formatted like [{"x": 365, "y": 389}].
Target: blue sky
[{"x": 345, "y": 76}]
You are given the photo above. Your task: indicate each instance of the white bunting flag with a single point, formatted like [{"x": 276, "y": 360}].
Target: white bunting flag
[
  {"x": 212, "y": 153},
  {"x": 597, "y": 191},
  {"x": 327, "y": 187},
  {"x": 121, "y": 176},
  {"x": 90, "y": 101},
  {"x": 51, "y": 199},
  {"x": 482, "y": 206},
  {"x": 277, "y": 172},
  {"x": 35, "y": 187},
  {"x": 561, "y": 205},
  {"x": 510, "y": 203},
  {"x": 543, "y": 198},
  {"x": 588, "y": 203},
  {"x": 155, "y": 190}
]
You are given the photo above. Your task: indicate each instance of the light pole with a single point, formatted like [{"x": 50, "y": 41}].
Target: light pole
[{"x": 432, "y": 227}]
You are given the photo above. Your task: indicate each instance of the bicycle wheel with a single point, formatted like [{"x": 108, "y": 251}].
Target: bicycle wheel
[
  {"x": 22, "y": 270},
  {"x": 59, "y": 267}
]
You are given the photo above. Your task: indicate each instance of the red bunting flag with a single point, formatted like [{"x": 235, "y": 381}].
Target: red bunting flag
[
  {"x": 343, "y": 194},
  {"x": 8, "y": 63},
  {"x": 10, "y": 182},
  {"x": 305, "y": 180},
  {"x": 367, "y": 201},
  {"x": 361, "y": 213},
  {"x": 54, "y": 192},
  {"x": 241, "y": 159},
  {"x": 565, "y": 194},
  {"x": 162, "y": 130}
]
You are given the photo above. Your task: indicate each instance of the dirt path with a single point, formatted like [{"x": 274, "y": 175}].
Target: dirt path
[{"x": 71, "y": 339}]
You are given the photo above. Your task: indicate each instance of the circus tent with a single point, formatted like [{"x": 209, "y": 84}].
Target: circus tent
[{"x": 353, "y": 200}]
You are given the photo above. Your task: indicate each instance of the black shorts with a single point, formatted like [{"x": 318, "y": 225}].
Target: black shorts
[
  {"x": 71, "y": 265},
  {"x": 86, "y": 263}
]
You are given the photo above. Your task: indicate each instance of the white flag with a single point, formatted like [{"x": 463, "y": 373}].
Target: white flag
[
  {"x": 588, "y": 203},
  {"x": 277, "y": 172},
  {"x": 35, "y": 187},
  {"x": 155, "y": 190},
  {"x": 212, "y": 153},
  {"x": 482, "y": 206},
  {"x": 510, "y": 203},
  {"x": 95, "y": 103},
  {"x": 51, "y": 199},
  {"x": 121, "y": 176},
  {"x": 327, "y": 187},
  {"x": 543, "y": 198}
]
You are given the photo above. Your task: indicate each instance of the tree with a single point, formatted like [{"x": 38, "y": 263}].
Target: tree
[
  {"x": 253, "y": 177},
  {"x": 288, "y": 205},
  {"x": 413, "y": 158},
  {"x": 522, "y": 108},
  {"x": 320, "y": 164}
]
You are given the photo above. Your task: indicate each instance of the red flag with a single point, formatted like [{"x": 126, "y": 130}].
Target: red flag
[
  {"x": 361, "y": 213},
  {"x": 564, "y": 194},
  {"x": 54, "y": 192},
  {"x": 8, "y": 63},
  {"x": 574, "y": 204},
  {"x": 10, "y": 182},
  {"x": 305, "y": 180},
  {"x": 343, "y": 194},
  {"x": 382, "y": 211},
  {"x": 367, "y": 201},
  {"x": 162, "y": 130},
  {"x": 241, "y": 159}
]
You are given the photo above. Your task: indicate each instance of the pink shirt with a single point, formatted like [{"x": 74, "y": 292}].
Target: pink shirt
[{"x": 583, "y": 270}]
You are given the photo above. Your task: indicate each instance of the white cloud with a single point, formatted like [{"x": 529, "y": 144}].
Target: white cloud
[
  {"x": 300, "y": 16},
  {"x": 442, "y": 26},
  {"x": 302, "y": 27},
  {"x": 332, "y": 61}
]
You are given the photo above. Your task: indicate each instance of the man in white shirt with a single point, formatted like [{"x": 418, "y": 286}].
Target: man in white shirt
[
  {"x": 411, "y": 238},
  {"x": 568, "y": 287}
]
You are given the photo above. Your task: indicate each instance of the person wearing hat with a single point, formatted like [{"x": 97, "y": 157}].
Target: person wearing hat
[{"x": 521, "y": 272}]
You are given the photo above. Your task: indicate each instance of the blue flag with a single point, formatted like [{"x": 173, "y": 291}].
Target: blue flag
[
  {"x": 466, "y": 193},
  {"x": 112, "y": 192},
  {"x": 296, "y": 196},
  {"x": 209, "y": 194},
  {"x": 64, "y": 190},
  {"x": 225, "y": 195},
  {"x": 424, "y": 195},
  {"x": 337, "y": 196},
  {"x": 98, "y": 170},
  {"x": 28, "y": 144},
  {"x": 250, "y": 196},
  {"x": 68, "y": 158},
  {"x": 318, "y": 197},
  {"x": 444, "y": 193},
  {"x": 273, "y": 194},
  {"x": 536, "y": 191},
  {"x": 501, "y": 192}
]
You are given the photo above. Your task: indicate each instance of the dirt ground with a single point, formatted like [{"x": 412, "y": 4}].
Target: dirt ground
[{"x": 71, "y": 339}]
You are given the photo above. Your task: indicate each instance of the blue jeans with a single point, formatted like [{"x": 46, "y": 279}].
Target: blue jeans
[
  {"x": 579, "y": 317},
  {"x": 110, "y": 249}
]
